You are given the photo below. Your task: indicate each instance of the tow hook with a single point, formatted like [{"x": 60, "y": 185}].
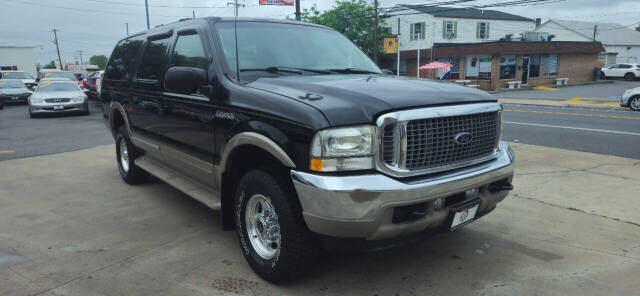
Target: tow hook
[{"x": 500, "y": 186}]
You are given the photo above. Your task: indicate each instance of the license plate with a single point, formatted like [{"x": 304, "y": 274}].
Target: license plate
[
  {"x": 464, "y": 215},
  {"x": 58, "y": 107},
  {"x": 14, "y": 98}
]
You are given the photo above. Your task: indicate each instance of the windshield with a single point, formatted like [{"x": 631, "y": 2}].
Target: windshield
[
  {"x": 11, "y": 84},
  {"x": 57, "y": 86},
  {"x": 263, "y": 45},
  {"x": 16, "y": 75},
  {"x": 67, "y": 75}
]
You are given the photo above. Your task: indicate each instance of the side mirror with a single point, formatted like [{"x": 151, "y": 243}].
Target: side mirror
[
  {"x": 387, "y": 72},
  {"x": 184, "y": 80}
]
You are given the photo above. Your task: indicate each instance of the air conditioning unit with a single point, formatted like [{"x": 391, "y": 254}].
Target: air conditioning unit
[{"x": 450, "y": 35}]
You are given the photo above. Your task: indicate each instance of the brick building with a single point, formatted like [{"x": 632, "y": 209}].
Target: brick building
[{"x": 491, "y": 65}]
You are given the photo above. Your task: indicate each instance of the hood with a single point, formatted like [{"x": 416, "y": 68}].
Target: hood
[
  {"x": 58, "y": 94},
  {"x": 354, "y": 99},
  {"x": 14, "y": 91}
]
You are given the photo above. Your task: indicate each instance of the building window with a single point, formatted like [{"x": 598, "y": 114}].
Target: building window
[
  {"x": 482, "y": 30},
  {"x": 417, "y": 31},
  {"x": 386, "y": 31},
  {"x": 551, "y": 65},
  {"x": 508, "y": 67},
  {"x": 534, "y": 66},
  {"x": 449, "y": 29}
]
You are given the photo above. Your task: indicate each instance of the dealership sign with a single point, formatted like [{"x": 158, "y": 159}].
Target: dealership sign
[{"x": 277, "y": 2}]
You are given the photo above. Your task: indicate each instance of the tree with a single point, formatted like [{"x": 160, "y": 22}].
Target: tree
[
  {"x": 352, "y": 18},
  {"x": 638, "y": 28},
  {"x": 99, "y": 60},
  {"x": 50, "y": 65}
]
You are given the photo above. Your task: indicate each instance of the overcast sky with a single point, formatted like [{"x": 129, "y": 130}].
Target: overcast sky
[{"x": 94, "y": 26}]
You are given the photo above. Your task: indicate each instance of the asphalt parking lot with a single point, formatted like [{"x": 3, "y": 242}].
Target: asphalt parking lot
[
  {"x": 70, "y": 226},
  {"x": 21, "y": 136},
  {"x": 611, "y": 91}
]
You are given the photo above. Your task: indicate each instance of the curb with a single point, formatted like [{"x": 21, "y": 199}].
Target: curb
[{"x": 563, "y": 104}]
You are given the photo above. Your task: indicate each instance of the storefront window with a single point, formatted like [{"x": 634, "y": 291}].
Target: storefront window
[
  {"x": 551, "y": 65},
  {"x": 534, "y": 68},
  {"x": 485, "y": 68},
  {"x": 508, "y": 67}
]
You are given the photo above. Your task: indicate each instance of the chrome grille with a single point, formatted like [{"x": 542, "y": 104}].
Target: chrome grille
[
  {"x": 435, "y": 139},
  {"x": 389, "y": 143},
  {"x": 431, "y": 142},
  {"x": 57, "y": 100}
]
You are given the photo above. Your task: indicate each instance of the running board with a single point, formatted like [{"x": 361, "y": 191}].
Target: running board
[{"x": 191, "y": 188}]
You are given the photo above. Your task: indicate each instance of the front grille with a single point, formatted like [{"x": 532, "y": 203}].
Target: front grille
[
  {"x": 432, "y": 142},
  {"x": 389, "y": 142},
  {"x": 57, "y": 100}
]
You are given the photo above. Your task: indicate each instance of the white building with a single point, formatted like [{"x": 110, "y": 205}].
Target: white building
[
  {"x": 423, "y": 26},
  {"x": 622, "y": 44},
  {"x": 20, "y": 58}
]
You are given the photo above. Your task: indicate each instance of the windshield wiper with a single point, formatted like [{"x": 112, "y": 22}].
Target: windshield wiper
[
  {"x": 288, "y": 70},
  {"x": 352, "y": 71},
  {"x": 274, "y": 70}
]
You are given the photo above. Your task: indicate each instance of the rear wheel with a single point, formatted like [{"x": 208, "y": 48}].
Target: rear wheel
[
  {"x": 126, "y": 154},
  {"x": 270, "y": 228},
  {"x": 634, "y": 103},
  {"x": 630, "y": 77}
]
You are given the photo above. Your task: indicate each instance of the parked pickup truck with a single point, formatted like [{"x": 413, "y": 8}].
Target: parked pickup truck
[{"x": 299, "y": 139}]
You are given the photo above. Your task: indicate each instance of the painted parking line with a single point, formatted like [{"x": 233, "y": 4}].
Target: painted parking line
[
  {"x": 573, "y": 128},
  {"x": 575, "y": 114},
  {"x": 6, "y": 151}
]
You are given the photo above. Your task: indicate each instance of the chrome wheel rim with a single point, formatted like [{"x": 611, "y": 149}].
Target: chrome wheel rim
[
  {"x": 635, "y": 104},
  {"x": 263, "y": 229},
  {"x": 124, "y": 156}
]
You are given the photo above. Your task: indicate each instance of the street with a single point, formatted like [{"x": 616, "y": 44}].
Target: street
[
  {"x": 612, "y": 91},
  {"x": 590, "y": 130}
]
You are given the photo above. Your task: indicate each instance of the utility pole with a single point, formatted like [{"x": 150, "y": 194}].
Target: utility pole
[
  {"x": 55, "y": 35},
  {"x": 146, "y": 6},
  {"x": 80, "y": 54},
  {"x": 398, "y": 68},
  {"x": 418, "y": 70},
  {"x": 127, "y": 25},
  {"x": 298, "y": 15},
  {"x": 595, "y": 32},
  {"x": 194, "y": 13},
  {"x": 375, "y": 31},
  {"x": 235, "y": 6}
]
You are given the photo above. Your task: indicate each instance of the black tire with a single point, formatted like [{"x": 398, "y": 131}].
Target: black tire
[
  {"x": 299, "y": 249},
  {"x": 130, "y": 173},
  {"x": 629, "y": 77},
  {"x": 31, "y": 115},
  {"x": 634, "y": 103}
]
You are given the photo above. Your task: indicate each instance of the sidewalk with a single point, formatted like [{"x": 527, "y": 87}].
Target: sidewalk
[{"x": 610, "y": 104}]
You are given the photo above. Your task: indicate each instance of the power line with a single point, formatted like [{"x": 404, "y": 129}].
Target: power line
[
  {"x": 158, "y": 6},
  {"x": 88, "y": 10}
]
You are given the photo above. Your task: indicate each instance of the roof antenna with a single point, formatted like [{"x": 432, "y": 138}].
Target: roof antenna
[{"x": 235, "y": 25}]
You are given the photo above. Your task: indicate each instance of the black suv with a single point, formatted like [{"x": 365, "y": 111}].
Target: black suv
[{"x": 297, "y": 137}]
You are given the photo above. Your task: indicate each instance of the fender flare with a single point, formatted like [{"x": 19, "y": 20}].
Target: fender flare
[
  {"x": 117, "y": 107},
  {"x": 257, "y": 140}
]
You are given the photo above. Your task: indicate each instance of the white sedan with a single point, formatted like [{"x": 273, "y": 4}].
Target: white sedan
[
  {"x": 627, "y": 71},
  {"x": 631, "y": 99}
]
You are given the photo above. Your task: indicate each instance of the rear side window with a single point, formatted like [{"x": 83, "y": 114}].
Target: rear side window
[
  {"x": 189, "y": 52},
  {"x": 623, "y": 66},
  {"x": 153, "y": 60},
  {"x": 123, "y": 56}
]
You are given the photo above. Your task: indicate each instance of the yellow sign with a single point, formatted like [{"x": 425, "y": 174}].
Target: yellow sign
[{"x": 390, "y": 45}]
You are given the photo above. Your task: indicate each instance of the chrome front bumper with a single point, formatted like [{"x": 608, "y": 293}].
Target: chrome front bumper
[
  {"x": 362, "y": 206},
  {"x": 68, "y": 107}
]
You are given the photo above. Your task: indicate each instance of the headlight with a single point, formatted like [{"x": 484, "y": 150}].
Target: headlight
[
  {"x": 78, "y": 99},
  {"x": 343, "y": 149},
  {"x": 36, "y": 100}
]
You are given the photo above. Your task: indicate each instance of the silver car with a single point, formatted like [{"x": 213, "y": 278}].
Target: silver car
[
  {"x": 13, "y": 91},
  {"x": 58, "y": 96}
]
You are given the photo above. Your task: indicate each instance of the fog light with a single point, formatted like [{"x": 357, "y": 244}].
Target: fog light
[
  {"x": 439, "y": 203},
  {"x": 473, "y": 193}
]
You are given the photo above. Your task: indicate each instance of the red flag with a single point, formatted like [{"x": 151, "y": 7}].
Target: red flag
[{"x": 277, "y": 2}]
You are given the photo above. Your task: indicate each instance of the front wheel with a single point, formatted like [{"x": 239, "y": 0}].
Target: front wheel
[
  {"x": 270, "y": 228},
  {"x": 634, "y": 104},
  {"x": 630, "y": 77}
]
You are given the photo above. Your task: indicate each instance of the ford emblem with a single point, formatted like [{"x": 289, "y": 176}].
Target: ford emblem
[{"x": 463, "y": 138}]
